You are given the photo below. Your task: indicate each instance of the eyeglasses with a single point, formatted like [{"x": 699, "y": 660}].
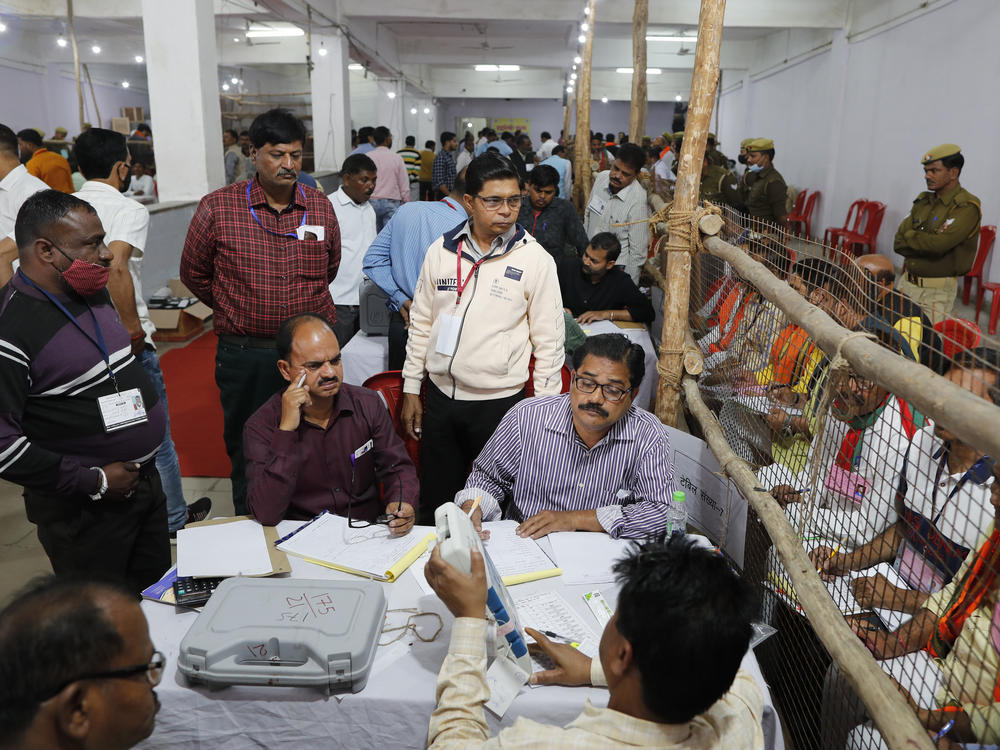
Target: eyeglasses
[
  {"x": 382, "y": 519},
  {"x": 153, "y": 671},
  {"x": 611, "y": 392},
  {"x": 493, "y": 202}
]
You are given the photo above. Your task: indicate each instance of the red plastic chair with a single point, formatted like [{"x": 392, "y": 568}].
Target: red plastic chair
[
  {"x": 832, "y": 235},
  {"x": 993, "y": 288},
  {"x": 957, "y": 334},
  {"x": 802, "y": 220},
  {"x": 800, "y": 202},
  {"x": 872, "y": 215},
  {"x": 529, "y": 385},
  {"x": 987, "y": 235},
  {"x": 389, "y": 385}
]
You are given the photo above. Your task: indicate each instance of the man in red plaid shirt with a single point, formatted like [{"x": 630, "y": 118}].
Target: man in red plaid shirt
[{"x": 257, "y": 252}]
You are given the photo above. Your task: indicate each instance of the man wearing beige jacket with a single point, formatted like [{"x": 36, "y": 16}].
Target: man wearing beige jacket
[{"x": 487, "y": 298}]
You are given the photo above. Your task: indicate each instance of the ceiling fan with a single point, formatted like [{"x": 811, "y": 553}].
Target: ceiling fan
[{"x": 485, "y": 43}]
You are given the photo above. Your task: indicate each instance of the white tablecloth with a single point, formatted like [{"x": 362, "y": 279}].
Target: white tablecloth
[
  {"x": 365, "y": 356},
  {"x": 391, "y": 712}
]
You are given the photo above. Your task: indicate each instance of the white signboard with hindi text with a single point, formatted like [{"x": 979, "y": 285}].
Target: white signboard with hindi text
[{"x": 715, "y": 505}]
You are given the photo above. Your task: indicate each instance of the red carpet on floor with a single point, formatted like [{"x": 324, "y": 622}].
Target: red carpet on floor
[{"x": 195, "y": 412}]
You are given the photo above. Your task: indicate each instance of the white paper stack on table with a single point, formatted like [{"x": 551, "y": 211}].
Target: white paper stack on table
[
  {"x": 223, "y": 550},
  {"x": 517, "y": 559},
  {"x": 586, "y": 557},
  {"x": 549, "y": 611},
  {"x": 371, "y": 551}
]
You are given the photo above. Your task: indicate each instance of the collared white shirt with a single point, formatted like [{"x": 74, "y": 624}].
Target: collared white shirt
[
  {"x": 145, "y": 185},
  {"x": 623, "y": 214},
  {"x": 961, "y": 518},
  {"x": 15, "y": 189},
  {"x": 357, "y": 232},
  {"x": 545, "y": 150},
  {"x": 124, "y": 220}
]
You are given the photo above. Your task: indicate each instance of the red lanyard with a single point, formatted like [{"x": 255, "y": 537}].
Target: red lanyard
[
  {"x": 539, "y": 213},
  {"x": 458, "y": 274}
]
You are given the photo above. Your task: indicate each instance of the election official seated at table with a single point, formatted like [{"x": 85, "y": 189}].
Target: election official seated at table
[
  {"x": 586, "y": 461},
  {"x": 77, "y": 667},
  {"x": 670, "y": 658},
  {"x": 324, "y": 445},
  {"x": 593, "y": 288}
]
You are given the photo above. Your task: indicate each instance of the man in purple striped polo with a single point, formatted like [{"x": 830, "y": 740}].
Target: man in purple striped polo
[
  {"x": 80, "y": 421},
  {"x": 584, "y": 461}
]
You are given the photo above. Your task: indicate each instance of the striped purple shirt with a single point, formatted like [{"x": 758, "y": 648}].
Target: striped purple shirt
[{"x": 536, "y": 461}]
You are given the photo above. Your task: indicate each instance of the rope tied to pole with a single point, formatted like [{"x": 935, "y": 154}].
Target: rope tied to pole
[{"x": 672, "y": 378}]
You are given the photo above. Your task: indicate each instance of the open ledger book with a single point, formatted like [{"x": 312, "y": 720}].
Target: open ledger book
[{"x": 371, "y": 552}]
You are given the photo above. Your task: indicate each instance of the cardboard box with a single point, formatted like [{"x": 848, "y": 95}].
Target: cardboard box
[{"x": 179, "y": 324}]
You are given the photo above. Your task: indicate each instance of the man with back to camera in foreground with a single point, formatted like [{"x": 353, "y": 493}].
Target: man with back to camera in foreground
[
  {"x": 77, "y": 668},
  {"x": 682, "y": 691}
]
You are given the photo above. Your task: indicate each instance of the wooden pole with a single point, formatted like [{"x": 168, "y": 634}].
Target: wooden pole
[
  {"x": 895, "y": 720},
  {"x": 637, "y": 112},
  {"x": 581, "y": 161},
  {"x": 90, "y": 83},
  {"x": 76, "y": 60},
  {"x": 567, "y": 116},
  {"x": 679, "y": 244}
]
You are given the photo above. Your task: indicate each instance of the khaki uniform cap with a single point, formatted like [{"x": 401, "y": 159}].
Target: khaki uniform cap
[
  {"x": 746, "y": 142},
  {"x": 760, "y": 144},
  {"x": 940, "y": 152}
]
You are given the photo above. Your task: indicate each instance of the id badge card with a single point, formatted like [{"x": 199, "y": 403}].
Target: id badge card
[
  {"x": 917, "y": 570},
  {"x": 847, "y": 484},
  {"x": 447, "y": 338},
  {"x": 310, "y": 232},
  {"x": 597, "y": 206},
  {"x": 120, "y": 410}
]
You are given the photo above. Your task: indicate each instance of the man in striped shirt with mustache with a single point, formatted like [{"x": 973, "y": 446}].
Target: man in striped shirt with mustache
[{"x": 584, "y": 461}]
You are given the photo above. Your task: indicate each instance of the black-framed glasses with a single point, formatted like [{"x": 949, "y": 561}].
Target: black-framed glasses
[
  {"x": 611, "y": 392},
  {"x": 494, "y": 202},
  {"x": 153, "y": 670},
  {"x": 382, "y": 519}
]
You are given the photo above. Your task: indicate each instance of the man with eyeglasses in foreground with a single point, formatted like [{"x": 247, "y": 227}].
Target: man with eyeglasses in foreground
[
  {"x": 487, "y": 295},
  {"x": 324, "y": 445},
  {"x": 584, "y": 461},
  {"x": 77, "y": 668}
]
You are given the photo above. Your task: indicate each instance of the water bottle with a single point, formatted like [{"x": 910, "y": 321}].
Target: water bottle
[{"x": 677, "y": 515}]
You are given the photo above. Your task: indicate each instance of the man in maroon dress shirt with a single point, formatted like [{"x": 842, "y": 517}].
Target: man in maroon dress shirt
[
  {"x": 257, "y": 252},
  {"x": 324, "y": 445}
]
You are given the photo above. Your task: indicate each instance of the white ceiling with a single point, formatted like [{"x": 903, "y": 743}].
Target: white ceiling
[{"x": 433, "y": 44}]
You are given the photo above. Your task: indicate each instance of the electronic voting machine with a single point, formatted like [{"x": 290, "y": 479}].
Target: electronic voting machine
[
  {"x": 456, "y": 536},
  {"x": 286, "y": 631}
]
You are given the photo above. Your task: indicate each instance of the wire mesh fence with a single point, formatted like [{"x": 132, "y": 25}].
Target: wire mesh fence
[{"x": 896, "y": 513}]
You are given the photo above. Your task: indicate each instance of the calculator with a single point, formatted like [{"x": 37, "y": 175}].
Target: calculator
[{"x": 194, "y": 592}]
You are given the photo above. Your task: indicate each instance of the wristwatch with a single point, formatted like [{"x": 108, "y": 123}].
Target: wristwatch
[{"x": 103, "y": 487}]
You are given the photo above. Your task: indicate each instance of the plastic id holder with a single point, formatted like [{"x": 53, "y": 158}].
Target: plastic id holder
[{"x": 286, "y": 632}]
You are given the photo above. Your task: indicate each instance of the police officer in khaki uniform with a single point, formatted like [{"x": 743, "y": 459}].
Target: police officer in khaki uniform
[
  {"x": 715, "y": 157},
  {"x": 764, "y": 191},
  {"x": 718, "y": 185},
  {"x": 939, "y": 237}
]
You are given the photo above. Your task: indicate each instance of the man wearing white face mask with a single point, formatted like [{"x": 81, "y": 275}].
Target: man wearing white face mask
[
  {"x": 764, "y": 189},
  {"x": 80, "y": 421}
]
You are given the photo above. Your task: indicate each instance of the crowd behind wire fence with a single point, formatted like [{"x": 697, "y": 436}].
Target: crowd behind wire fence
[{"x": 895, "y": 512}]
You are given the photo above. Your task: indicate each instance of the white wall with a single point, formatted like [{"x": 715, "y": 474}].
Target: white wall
[
  {"x": 42, "y": 97},
  {"x": 915, "y": 78}
]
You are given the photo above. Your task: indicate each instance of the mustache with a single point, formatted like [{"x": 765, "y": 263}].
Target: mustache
[
  {"x": 594, "y": 408},
  {"x": 287, "y": 173},
  {"x": 324, "y": 381}
]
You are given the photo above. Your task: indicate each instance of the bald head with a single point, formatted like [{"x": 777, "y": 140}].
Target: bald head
[
  {"x": 52, "y": 636},
  {"x": 880, "y": 269}
]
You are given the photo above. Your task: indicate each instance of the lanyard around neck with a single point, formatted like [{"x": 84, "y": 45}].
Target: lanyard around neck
[
  {"x": 294, "y": 235},
  {"x": 98, "y": 342},
  {"x": 972, "y": 472},
  {"x": 459, "y": 284}
]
